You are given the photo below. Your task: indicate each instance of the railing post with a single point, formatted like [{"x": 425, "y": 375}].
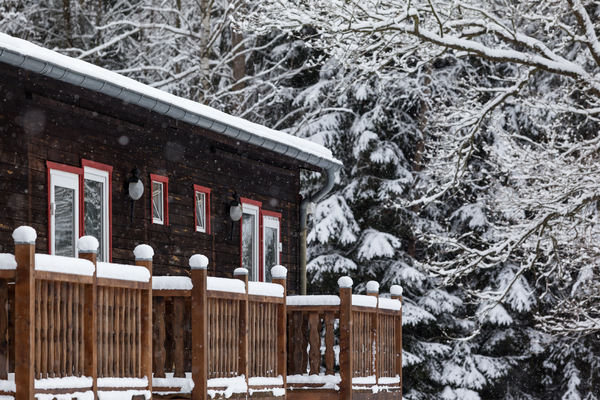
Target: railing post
[
  {"x": 242, "y": 274},
  {"x": 346, "y": 369},
  {"x": 373, "y": 290},
  {"x": 279, "y": 274},
  {"x": 396, "y": 293},
  {"x": 24, "y": 238},
  {"x": 88, "y": 250},
  {"x": 199, "y": 266},
  {"x": 143, "y": 258}
]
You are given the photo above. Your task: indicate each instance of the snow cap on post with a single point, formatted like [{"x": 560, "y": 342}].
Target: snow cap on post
[
  {"x": 240, "y": 272},
  {"x": 345, "y": 282},
  {"x": 279, "y": 272},
  {"x": 88, "y": 244},
  {"x": 372, "y": 287},
  {"x": 396, "y": 290},
  {"x": 143, "y": 252},
  {"x": 199, "y": 261},
  {"x": 24, "y": 235}
]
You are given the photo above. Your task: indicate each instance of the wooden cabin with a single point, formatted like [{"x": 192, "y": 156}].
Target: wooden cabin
[
  {"x": 202, "y": 308},
  {"x": 71, "y": 134}
]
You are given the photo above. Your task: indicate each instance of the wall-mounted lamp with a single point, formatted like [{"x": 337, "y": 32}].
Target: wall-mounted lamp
[
  {"x": 136, "y": 188},
  {"x": 235, "y": 211}
]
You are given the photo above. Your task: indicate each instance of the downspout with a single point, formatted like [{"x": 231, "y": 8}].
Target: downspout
[{"x": 330, "y": 171}]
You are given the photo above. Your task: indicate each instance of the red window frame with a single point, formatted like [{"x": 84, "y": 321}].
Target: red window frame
[
  {"x": 80, "y": 172},
  {"x": 165, "y": 181},
  {"x": 206, "y": 191},
  {"x": 262, "y": 245}
]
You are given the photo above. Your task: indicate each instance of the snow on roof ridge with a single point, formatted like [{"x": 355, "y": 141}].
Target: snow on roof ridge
[{"x": 35, "y": 52}]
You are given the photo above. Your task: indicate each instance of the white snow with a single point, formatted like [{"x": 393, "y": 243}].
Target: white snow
[
  {"x": 364, "y": 301},
  {"x": 225, "y": 285},
  {"x": 378, "y": 244},
  {"x": 265, "y": 381},
  {"x": 122, "y": 382},
  {"x": 171, "y": 283},
  {"x": 320, "y": 300},
  {"x": 186, "y": 384},
  {"x": 7, "y": 261},
  {"x": 39, "y": 53},
  {"x": 87, "y": 395},
  {"x": 65, "y": 265},
  {"x": 240, "y": 271},
  {"x": 388, "y": 380},
  {"x": 143, "y": 252},
  {"x": 396, "y": 290},
  {"x": 265, "y": 289},
  {"x": 123, "y": 272},
  {"x": 23, "y": 234},
  {"x": 345, "y": 282},
  {"x": 8, "y": 385},
  {"x": 122, "y": 395},
  {"x": 314, "y": 379},
  {"x": 390, "y": 304},
  {"x": 87, "y": 244},
  {"x": 372, "y": 287},
  {"x": 364, "y": 380},
  {"x": 231, "y": 385},
  {"x": 198, "y": 261},
  {"x": 279, "y": 272},
  {"x": 64, "y": 383}
]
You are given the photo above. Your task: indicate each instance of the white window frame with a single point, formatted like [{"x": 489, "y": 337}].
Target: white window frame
[
  {"x": 103, "y": 177},
  {"x": 254, "y": 210},
  {"x": 271, "y": 222},
  {"x": 159, "y": 221},
  {"x": 67, "y": 180}
]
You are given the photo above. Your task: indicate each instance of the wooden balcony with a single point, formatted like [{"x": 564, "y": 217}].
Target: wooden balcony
[{"x": 86, "y": 330}]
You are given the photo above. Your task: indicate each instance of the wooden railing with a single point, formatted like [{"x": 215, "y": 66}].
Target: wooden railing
[
  {"x": 369, "y": 340},
  {"x": 243, "y": 324},
  {"x": 75, "y": 319}
]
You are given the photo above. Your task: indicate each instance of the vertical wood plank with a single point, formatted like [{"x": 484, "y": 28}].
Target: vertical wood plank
[
  {"x": 44, "y": 329},
  {"x": 346, "y": 341},
  {"x": 281, "y": 331},
  {"x": 159, "y": 336},
  {"x": 146, "y": 326},
  {"x": 199, "y": 332},
  {"x": 297, "y": 341},
  {"x": 51, "y": 330},
  {"x": 69, "y": 340},
  {"x": 11, "y": 328},
  {"x": 315, "y": 341},
  {"x": 76, "y": 315},
  {"x": 121, "y": 333},
  {"x": 398, "y": 343},
  {"x": 3, "y": 329},
  {"x": 304, "y": 343},
  {"x": 110, "y": 332},
  {"x": 178, "y": 310},
  {"x": 244, "y": 321},
  {"x": 88, "y": 355},
  {"x": 329, "y": 340},
  {"x": 37, "y": 334},
  {"x": 24, "y": 314}
]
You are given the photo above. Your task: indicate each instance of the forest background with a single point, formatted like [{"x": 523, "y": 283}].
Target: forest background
[{"x": 469, "y": 134}]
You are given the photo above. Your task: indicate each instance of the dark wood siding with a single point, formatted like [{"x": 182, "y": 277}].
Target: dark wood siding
[{"x": 46, "y": 120}]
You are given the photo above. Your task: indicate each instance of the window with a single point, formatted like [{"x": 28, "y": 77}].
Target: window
[
  {"x": 64, "y": 210},
  {"x": 250, "y": 240},
  {"x": 160, "y": 204},
  {"x": 79, "y": 204},
  {"x": 202, "y": 208},
  {"x": 271, "y": 242}
]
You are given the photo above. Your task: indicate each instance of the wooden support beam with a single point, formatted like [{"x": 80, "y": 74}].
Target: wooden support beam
[
  {"x": 244, "y": 318},
  {"x": 373, "y": 290},
  {"x": 199, "y": 265},
  {"x": 397, "y": 294},
  {"x": 143, "y": 258},
  {"x": 90, "y": 325},
  {"x": 279, "y": 275},
  {"x": 24, "y": 312},
  {"x": 346, "y": 369}
]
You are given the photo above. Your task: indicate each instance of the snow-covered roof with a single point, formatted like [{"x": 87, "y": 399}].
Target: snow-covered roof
[{"x": 27, "y": 55}]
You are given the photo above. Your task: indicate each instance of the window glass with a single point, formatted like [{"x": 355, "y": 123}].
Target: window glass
[
  {"x": 65, "y": 222},
  {"x": 200, "y": 212},
  {"x": 271, "y": 251},
  {"x": 93, "y": 206},
  {"x": 248, "y": 239},
  {"x": 157, "y": 202}
]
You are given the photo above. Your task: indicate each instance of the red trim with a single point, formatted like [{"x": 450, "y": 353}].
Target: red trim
[
  {"x": 272, "y": 214},
  {"x": 165, "y": 181},
  {"x": 65, "y": 168},
  {"x": 109, "y": 169},
  {"x": 206, "y": 191},
  {"x": 251, "y": 202}
]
